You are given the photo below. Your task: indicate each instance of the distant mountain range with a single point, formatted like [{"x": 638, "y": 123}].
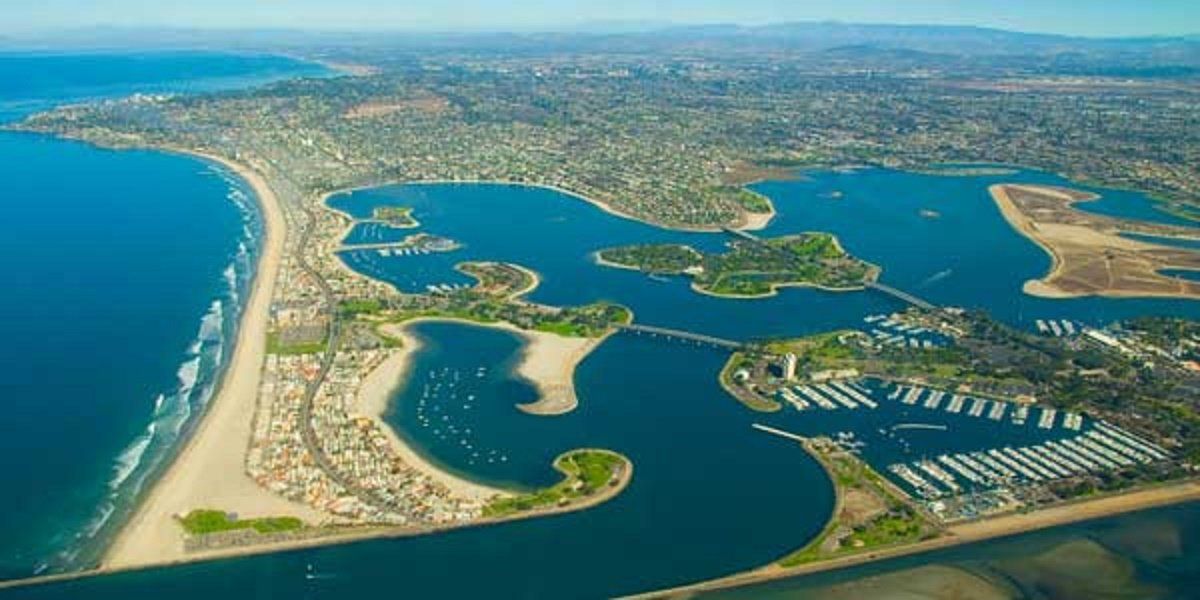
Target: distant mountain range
[{"x": 844, "y": 40}]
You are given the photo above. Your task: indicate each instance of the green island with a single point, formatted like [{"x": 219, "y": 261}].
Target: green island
[
  {"x": 752, "y": 268},
  {"x": 499, "y": 279},
  {"x": 395, "y": 216},
  {"x": 870, "y": 512},
  {"x": 205, "y": 521},
  {"x": 585, "y": 473}
]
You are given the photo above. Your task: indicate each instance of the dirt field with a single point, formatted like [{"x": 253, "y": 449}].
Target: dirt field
[{"x": 1090, "y": 257}]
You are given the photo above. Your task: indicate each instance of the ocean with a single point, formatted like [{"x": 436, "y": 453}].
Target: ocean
[{"x": 124, "y": 274}]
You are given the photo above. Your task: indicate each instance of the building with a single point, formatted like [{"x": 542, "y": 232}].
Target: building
[{"x": 789, "y": 366}]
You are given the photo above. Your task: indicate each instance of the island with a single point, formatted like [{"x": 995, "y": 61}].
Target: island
[
  {"x": 395, "y": 216},
  {"x": 752, "y": 267}
]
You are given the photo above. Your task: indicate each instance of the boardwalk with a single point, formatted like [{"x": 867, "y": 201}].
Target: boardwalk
[{"x": 682, "y": 335}]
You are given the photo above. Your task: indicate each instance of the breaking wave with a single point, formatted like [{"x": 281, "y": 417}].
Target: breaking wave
[{"x": 197, "y": 377}]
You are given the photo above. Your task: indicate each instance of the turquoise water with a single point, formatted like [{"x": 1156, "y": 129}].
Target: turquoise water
[
  {"x": 124, "y": 273},
  {"x": 710, "y": 496}
]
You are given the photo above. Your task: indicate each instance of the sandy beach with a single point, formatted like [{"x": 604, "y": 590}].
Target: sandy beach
[
  {"x": 373, "y": 400},
  {"x": 548, "y": 361},
  {"x": 209, "y": 471}
]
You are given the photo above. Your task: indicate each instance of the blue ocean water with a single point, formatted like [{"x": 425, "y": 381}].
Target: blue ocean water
[{"x": 124, "y": 273}]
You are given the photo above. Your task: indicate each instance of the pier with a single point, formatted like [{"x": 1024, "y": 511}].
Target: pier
[
  {"x": 927, "y": 426},
  {"x": 687, "y": 336}
]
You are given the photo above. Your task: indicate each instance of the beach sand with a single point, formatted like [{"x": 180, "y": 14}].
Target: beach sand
[
  {"x": 548, "y": 361},
  {"x": 374, "y": 400},
  {"x": 209, "y": 471}
]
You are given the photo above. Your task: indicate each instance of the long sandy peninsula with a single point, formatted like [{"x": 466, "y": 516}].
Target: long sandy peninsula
[
  {"x": 1089, "y": 256},
  {"x": 965, "y": 533},
  {"x": 209, "y": 470}
]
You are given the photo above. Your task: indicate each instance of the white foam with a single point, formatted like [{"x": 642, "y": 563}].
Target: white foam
[
  {"x": 188, "y": 373},
  {"x": 131, "y": 457},
  {"x": 211, "y": 324},
  {"x": 106, "y": 511}
]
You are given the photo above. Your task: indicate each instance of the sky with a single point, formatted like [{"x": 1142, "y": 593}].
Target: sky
[{"x": 1074, "y": 17}]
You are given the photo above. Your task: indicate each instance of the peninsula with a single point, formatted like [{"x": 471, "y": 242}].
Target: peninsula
[
  {"x": 1090, "y": 256},
  {"x": 293, "y": 453}
]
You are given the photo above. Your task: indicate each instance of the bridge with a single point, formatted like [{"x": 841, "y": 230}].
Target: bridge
[
  {"x": 374, "y": 246},
  {"x": 687, "y": 336},
  {"x": 746, "y": 235},
  {"x": 902, "y": 295}
]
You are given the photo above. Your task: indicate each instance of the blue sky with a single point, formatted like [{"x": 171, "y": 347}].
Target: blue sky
[{"x": 1079, "y": 17}]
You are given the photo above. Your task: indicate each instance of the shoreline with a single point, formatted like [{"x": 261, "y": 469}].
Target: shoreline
[
  {"x": 208, "y": 467},
  {"x": 1012, "y": 524},
  {"x": 746, "y": 225},
  {"x": 348, "y": 535},
  {"x": 548, "y": 360},
  {"x": 1045, "y": 286},
  {"x": 373, "y": 401}
]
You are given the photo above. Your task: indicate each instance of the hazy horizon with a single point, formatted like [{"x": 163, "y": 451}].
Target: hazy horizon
[{"x": 1119, "y": 18}]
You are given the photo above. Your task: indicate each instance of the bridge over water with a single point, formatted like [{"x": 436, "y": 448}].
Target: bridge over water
[
  {"x": 687, "y": 336},
  {"x": 901, "y": 294}
]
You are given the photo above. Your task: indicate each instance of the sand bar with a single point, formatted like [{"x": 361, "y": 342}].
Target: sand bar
[{"x": 1089, "y": 256}]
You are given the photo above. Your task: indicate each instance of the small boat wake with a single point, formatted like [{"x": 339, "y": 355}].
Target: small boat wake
[{"x": 936, "y": 277}]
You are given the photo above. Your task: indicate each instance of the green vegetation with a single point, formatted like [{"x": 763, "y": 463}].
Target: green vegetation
[
  {"x": 752, "y": 201},
  {"x": 396, "y": 216},
  {"x": 589, "y": 320},
  {"x": 585, "y": 472},
  {"x": 870, "y": 514},
  {"x": 667, "y": 259},
  {"x": 277, "y": 345},
  {"x": 205, "y": 521},
  {"x": 353, "y": 308},
  {"x": 751, "y": 269},
  {"x": 498, "y": 279}
]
